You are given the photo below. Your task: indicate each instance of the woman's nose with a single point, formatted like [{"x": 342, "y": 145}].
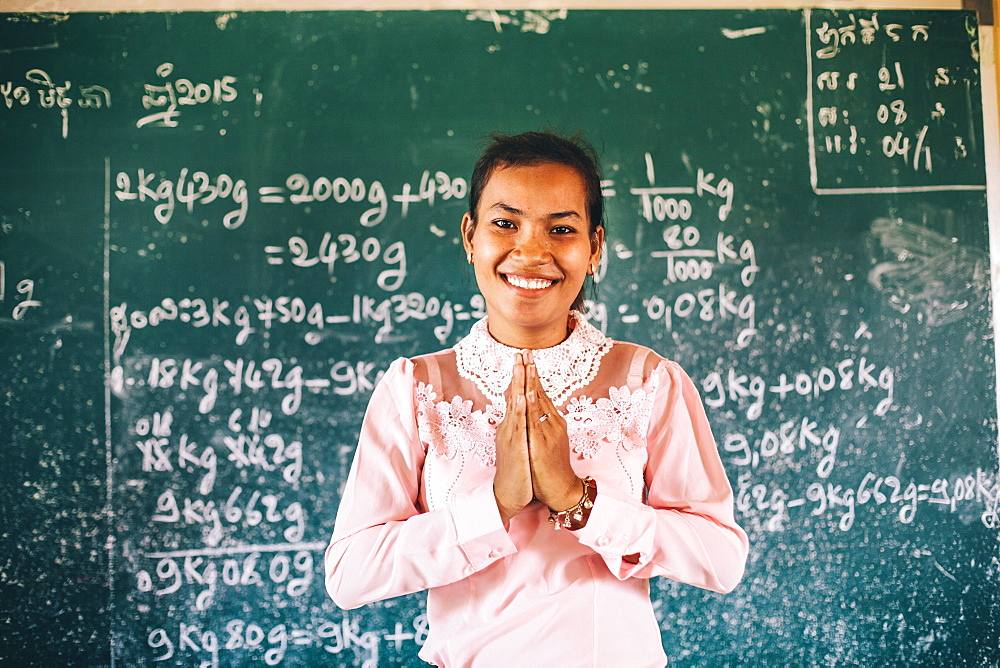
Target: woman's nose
[{"x": 532, "y": 247}]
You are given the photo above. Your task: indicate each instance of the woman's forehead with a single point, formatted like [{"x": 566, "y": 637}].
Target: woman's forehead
[{"x": 544, "y": 184}]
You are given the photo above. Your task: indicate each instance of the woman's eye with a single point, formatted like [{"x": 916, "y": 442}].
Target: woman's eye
[
  {"x": 563, "y": 229},
  {"x": 503, "y": 223}
]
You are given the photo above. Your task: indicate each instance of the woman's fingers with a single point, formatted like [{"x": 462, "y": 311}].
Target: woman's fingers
[
  {"x": 512, "y": 478},
  {"x": 553, "y": 479},
  {"x": 516, "y": 386},
  {"x": 539, "y": 402}
]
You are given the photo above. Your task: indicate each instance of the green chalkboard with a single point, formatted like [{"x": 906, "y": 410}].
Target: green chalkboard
[{"x": 218, "y": 230}]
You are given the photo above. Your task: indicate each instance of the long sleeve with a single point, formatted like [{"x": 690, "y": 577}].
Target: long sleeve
[
  {"x": 383, "y": 545},
  {"x": 685, "y": 530}
]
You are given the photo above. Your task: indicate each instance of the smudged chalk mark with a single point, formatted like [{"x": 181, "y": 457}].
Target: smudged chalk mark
[
  {"x": 40, "y": 47},
  {"x": 936, "y": 277},
  {"x": 746, "y": 32},
  {"x": 946, "y": 573},
  {"x": 222, "y": 20},
  {"x": 33, "y": 33},
  {"x": 536, "y": 21}
]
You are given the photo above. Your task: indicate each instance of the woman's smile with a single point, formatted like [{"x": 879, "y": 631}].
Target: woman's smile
[{"x": 527, "y": 283}]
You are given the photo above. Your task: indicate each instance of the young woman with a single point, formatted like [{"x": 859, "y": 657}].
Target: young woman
[{"x": 535, "y": 476}]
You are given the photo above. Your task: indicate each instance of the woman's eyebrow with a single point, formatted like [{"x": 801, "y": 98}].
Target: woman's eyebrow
[
  {"x": 514, "y": 211},
  {"x": 508, "y": 208}
]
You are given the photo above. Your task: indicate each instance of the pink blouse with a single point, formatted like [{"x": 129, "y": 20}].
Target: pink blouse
[{"x": 418, "y": 510}]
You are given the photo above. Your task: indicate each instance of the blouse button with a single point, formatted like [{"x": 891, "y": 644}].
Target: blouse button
[
  {"x": 495, "y": 554},
  {"x": 603, "y": 541}
]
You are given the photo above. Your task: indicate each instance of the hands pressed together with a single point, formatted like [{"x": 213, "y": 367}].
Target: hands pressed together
[{"x": 532, "y": 453}]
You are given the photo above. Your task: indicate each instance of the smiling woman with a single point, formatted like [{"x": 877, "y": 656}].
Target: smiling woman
[
  {"x": 532, "y": 245},
  {"x": 535, "y": 476}
]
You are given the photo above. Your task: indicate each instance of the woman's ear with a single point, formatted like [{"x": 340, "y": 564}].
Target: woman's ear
[
  {"x": 596, "y": 246},
  {"x": 468, "y": 230}
]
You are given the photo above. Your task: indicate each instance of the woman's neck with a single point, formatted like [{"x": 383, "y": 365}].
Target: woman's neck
[{"x": 532, "y": 338}]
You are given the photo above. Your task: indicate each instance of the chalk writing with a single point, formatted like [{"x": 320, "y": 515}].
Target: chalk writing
[
  {"x": 687, "y": 262},
  {"x": 212, "y": 647},
  {"x": 707, "y": 305},
  {"x": 834, "y": 38},
  {"x": 660, "y": 203},
  {"x": 205, "y": 380},
  {"x": 339, "y": 190},
  {"x": 439, "y": 186},
  {"x": 190, "y": 188},
  {"x": 25, "y": 290},
  {"x": 294, "y": 573},
  {"x": 768, "y": 506},
  {"x": 245, "y": 448},
  {"x": 52, "y": 95},
  {"x": 347, "y": 248},
  {"x": 791, "y": 438},
  {"x": 264, "y": 313},
  {"x": 855, "y": 57},
  {"x": 173, "y": 94},
  {"x": 845, "y": 375},
  {"x": 239, "y": 509}
]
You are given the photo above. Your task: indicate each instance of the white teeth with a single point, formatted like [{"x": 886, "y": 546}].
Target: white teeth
[{"x": 528, "y": 283}]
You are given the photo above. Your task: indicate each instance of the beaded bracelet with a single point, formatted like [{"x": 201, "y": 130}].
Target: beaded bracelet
[{"x": 572, "y": 518}]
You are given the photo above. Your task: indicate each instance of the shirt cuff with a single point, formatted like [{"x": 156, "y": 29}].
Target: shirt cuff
[
  {"x": 479, "y": 528},
  {"x": 609, "y": 527}
]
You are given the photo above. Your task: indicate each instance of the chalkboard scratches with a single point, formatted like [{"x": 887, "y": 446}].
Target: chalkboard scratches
[
  {"x": 944, "y": 572},
  {"x": 746, "y": 32},
  {"x": 34, "y": 35},
  {"x": 537, "y": 21},
  {"x": 40, "y": 47},
  {"x": 50, "y": 18},
  {"x": 939, "y": 279}
]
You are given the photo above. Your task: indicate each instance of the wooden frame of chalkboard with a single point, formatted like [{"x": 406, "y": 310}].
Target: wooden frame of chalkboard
[{"x": 219, "y": 228}]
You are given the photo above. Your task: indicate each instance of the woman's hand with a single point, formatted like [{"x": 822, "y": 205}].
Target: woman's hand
[
  {"x": 552, "y": 477},
  {"x": 512, "y": 480}
]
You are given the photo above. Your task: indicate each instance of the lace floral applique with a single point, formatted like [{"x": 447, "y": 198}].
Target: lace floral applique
[
  {"x": 452, "y": 427},
  {"x": 563, "y": 369},
  {"x": 618, "y": 420}
]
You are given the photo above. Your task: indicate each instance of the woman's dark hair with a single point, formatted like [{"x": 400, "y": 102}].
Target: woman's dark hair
[{"x": 535, "y": 148}]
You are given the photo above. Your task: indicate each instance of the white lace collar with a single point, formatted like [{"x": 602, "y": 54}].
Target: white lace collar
[{"x": 563, "y": 369}]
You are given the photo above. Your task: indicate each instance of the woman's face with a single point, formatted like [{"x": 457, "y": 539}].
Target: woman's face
[{"x": 532, "y": 249}]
